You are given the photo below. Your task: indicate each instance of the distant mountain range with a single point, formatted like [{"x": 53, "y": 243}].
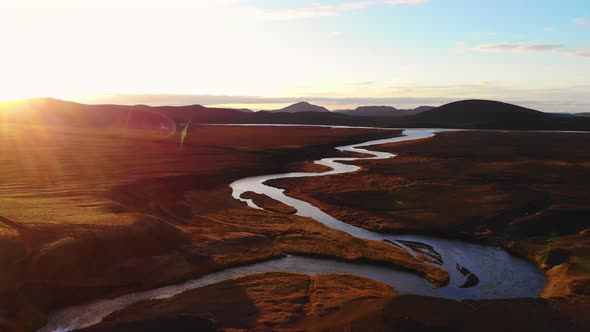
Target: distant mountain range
[
  {"x": 55, "y": 112},
  {"x": 384, "y": 111},
  {"x": 371, "y": 111},
  {"x": 586, "y": 114},
  {"x": 467, "y": 114}
]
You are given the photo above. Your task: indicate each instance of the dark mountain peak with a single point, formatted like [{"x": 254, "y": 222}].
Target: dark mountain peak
[
  {"x": 302, "y": 103},
  {"x": 371, "y": 111},
  {"x": 302, "y": 106}
]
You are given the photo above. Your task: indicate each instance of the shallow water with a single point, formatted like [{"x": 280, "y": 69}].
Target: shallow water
[{"x": 500, "y": 274}]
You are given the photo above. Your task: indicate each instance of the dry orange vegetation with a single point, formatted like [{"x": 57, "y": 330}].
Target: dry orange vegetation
[
  {"x": 260, "y": 302},
  {"x": 506, "y": 188},
  {"x": 295, "y": 302},
  {"x": 87, "y": 214}
]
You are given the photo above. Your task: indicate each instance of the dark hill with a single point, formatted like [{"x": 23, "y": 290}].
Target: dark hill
[
  {"x": 486, "y": 114},
  {"x": 473, "y": 111},
  {"x": 301, "y": 107},
  {"x": 54, "y": 112}
]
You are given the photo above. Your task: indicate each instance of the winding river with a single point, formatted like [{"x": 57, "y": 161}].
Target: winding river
[{"x": 476, "y": 271}]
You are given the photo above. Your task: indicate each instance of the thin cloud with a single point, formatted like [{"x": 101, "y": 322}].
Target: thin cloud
[
  {"x": 519, "y": 48},
  {"x": 582, "y": 23},
  {"x": 582, "y": 53},
  {"x": 549, "y": 29},
  {"x": 530, "y": 48},
  {"x": 316, "y": 10}
]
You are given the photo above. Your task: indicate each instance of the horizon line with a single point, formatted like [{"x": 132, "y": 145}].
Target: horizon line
[{"x": 247, "y": 102}]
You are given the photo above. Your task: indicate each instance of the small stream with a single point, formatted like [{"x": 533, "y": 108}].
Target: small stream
[{"x": 476, "y": 271}]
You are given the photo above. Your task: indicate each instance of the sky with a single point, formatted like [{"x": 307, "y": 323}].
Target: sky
[{"x": 265, "y": 54}]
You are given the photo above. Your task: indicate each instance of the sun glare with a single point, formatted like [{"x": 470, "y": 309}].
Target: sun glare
[{"x": 7, "y": 96}]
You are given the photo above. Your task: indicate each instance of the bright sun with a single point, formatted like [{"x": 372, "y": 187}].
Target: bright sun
[
  {"x": 13, "y": 95},
  {"x": 24, "y": 91}
]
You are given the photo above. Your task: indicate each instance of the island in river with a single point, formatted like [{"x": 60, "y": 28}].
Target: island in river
[
  {"x": 87, "y": 214},
  {"x": 160, "y": 227},
  {"x": 498, "y": 187}
]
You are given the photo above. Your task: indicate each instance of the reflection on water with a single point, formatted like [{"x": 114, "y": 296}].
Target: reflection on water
[
  {"x": 92, "y": 313},
  {"x": 500, "y": 274}
]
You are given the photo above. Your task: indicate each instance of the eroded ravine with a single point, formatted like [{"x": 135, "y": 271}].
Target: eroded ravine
[{"x": 476, "y": 271}]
